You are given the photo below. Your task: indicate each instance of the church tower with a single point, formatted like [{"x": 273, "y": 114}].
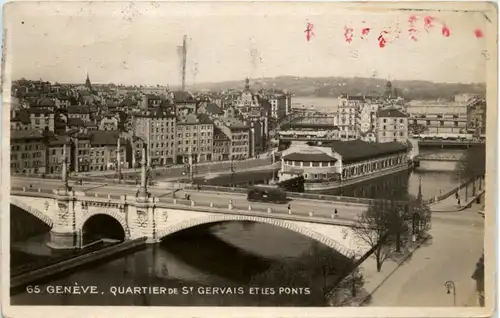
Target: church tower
[{"x": 87, "y": 82}]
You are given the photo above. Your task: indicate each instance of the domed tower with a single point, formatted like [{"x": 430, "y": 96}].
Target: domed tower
[
  {"x": 247, "y": 84},
  {"x": 388, "y": 89}
]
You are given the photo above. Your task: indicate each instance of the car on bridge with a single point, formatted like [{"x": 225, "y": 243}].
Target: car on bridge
[{"x": 267, "y": 193}]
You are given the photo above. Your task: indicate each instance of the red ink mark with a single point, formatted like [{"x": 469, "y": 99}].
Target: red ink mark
[
  {"x": 412, "y": 19},
  {"x": 413, "y": 34},
  {"x": 382, "y": 42},
  {"x": 348, "y": 34},
  {"x": 364, "y": 33},
  {"x": 309, "y": 31},
  {"x": 428, "y": 22},
  {"x": 445, "y": 31},
  {"x": 478, "y": 33}
]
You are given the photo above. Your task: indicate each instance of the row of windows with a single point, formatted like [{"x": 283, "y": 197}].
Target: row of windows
[
  {"x": 401, "y": 134},
  {"x": 401, "y": 120},
  {"x": 194, "y": 127},
  {"x": 187, "y": 142},
  {"x": 222, "y": 150},
  {"x": 239, "y": 149},
  {"x": 195, "y": 149},
  {"x": 161, "y": 153},
  {"x": 27, "y": 147},
  {"x": 195, "y": 134},
  {"x": 438, "y": 116},
  {"x": 309, "y": 163},
  {"x": 239, "y": 143},
  {"x": 441, "y": 123},
  {"x": 37, "y": 154},
  {"x": 25, "y": 164}
]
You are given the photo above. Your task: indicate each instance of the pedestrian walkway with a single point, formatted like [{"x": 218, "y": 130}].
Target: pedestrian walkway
[{"x": 451, "y": 203}]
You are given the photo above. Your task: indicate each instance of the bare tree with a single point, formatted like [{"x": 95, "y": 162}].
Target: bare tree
[
  {"x": 421, "y": 215},
  {"x": 372, "y": 228}
]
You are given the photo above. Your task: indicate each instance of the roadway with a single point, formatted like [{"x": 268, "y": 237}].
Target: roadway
[
  {"x": 456, "y": 245},
  {"x": 346, "y": 211}
]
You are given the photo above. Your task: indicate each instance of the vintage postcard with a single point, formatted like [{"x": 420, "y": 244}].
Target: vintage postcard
[{"x": 249, "y": 159}]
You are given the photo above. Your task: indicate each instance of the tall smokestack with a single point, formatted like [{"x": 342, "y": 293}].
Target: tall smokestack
[{"x": 184, "y": 60}]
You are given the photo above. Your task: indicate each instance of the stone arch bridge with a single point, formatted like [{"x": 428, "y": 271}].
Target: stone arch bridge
[{"x": 66, "y": 212}]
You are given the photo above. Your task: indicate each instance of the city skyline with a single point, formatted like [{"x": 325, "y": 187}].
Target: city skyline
[{"x": 130, "y": 50}]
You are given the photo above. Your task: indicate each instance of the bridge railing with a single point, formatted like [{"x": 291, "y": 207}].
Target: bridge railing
[
  {"x": 280, "y": 212},
  {"x": 451, "y": 192},
  {"x": 298, "y": 195}
]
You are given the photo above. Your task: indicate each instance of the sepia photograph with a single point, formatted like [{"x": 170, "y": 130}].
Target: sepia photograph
[{"x": 252, "y": 154}]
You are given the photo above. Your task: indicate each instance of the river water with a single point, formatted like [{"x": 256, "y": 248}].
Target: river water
[{"x": 227, "y": 254}]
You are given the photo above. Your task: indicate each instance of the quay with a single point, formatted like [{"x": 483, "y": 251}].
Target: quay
[{"x": 19, "y": 280}]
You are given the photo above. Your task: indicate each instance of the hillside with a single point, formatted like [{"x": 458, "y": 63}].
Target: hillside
[{"x": 334, "y": 86}]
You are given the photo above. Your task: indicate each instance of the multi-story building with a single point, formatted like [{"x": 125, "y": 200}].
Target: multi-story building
[
  {"x": 288, "y": 105},
  {"x": 195, "y": 135},
  {"x": 346, "y": 116},
  {"x": 81, "y": 152},
  {"x": 278, "y": 105},
  {"x": 239, "y": 134},
  {"x": 83, "y": 112},
  {"x": 135, "y": 153},
  {"x": 392, "y": 126},
  {"x": 185, "y": 103},
  {"x": 366, "y": 121},
  {"x": 107, "y": 122},
  {"x": 28, "y": 152},
  {"x": 438, "y": 117},
  {"x": 55, "y": 154},
  {"x": 20, "y": 120},
  {"x": 41, "y": 119},
  {"x": 104, "y": 149},
  {"x": 149, "y": 101},
  {"x": 158, "y": 129},
  {"x": 222, "y": 145}
]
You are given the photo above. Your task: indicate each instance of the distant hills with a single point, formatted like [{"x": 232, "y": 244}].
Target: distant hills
[{"x": 335, "y": 86}]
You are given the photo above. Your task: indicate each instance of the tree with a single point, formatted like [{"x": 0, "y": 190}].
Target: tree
[
  {"x": 372, "y": 229},
  {"x": 474, "y": 163},
  {"x": 421, "y": 215},
  {"x": 473, "y": 166}
]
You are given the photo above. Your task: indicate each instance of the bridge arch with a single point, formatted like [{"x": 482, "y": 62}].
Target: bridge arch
[
  {"x": 276, "y": 222},
  {"x": 33, "y": 211},
  {"x": 113, "y": 214}
]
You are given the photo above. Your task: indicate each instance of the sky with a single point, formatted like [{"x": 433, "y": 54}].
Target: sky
[{"x": 138, "y": 43}]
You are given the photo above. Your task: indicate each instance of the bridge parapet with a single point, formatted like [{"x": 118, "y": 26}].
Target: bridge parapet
[
  {"x": 297, "y": 195},
  {"x": 215, "y": 207},
  {"x": 155, "y": 217}
]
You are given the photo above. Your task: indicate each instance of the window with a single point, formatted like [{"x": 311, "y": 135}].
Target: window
[
  {"x": 427, "y": 122},
  {"x": 455, "y": 123},
  {"x": 441, "y": 123}
]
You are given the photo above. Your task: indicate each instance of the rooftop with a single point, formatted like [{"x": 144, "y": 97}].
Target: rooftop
[
  {"x": 391, "y": 112},
  {"x": 26, "y": 134},
  {"x": 233, "y": 123},
  {"x": 59, "y": 141},
  {"x": 306, "y": 156},
  {"x": 356, "y": 150}
]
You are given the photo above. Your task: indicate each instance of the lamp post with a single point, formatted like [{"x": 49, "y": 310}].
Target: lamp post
[{"x": 450, "y": 288}]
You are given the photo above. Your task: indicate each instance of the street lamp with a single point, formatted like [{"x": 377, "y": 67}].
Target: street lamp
[{"x": 450, "y": 288}]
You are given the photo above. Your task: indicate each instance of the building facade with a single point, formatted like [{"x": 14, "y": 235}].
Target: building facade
[
  {"x": 195, "y": 135},
  {"x": 239, "y": 134},
  {"x": 340, "y": 163},
  {"x": 438, "y": 117},
  {"x": 158, "y": 130},
  {"x": 346, "y": 116},
  {"x": 392, "y": 126},
  {"x": 28, "y": 152}
]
